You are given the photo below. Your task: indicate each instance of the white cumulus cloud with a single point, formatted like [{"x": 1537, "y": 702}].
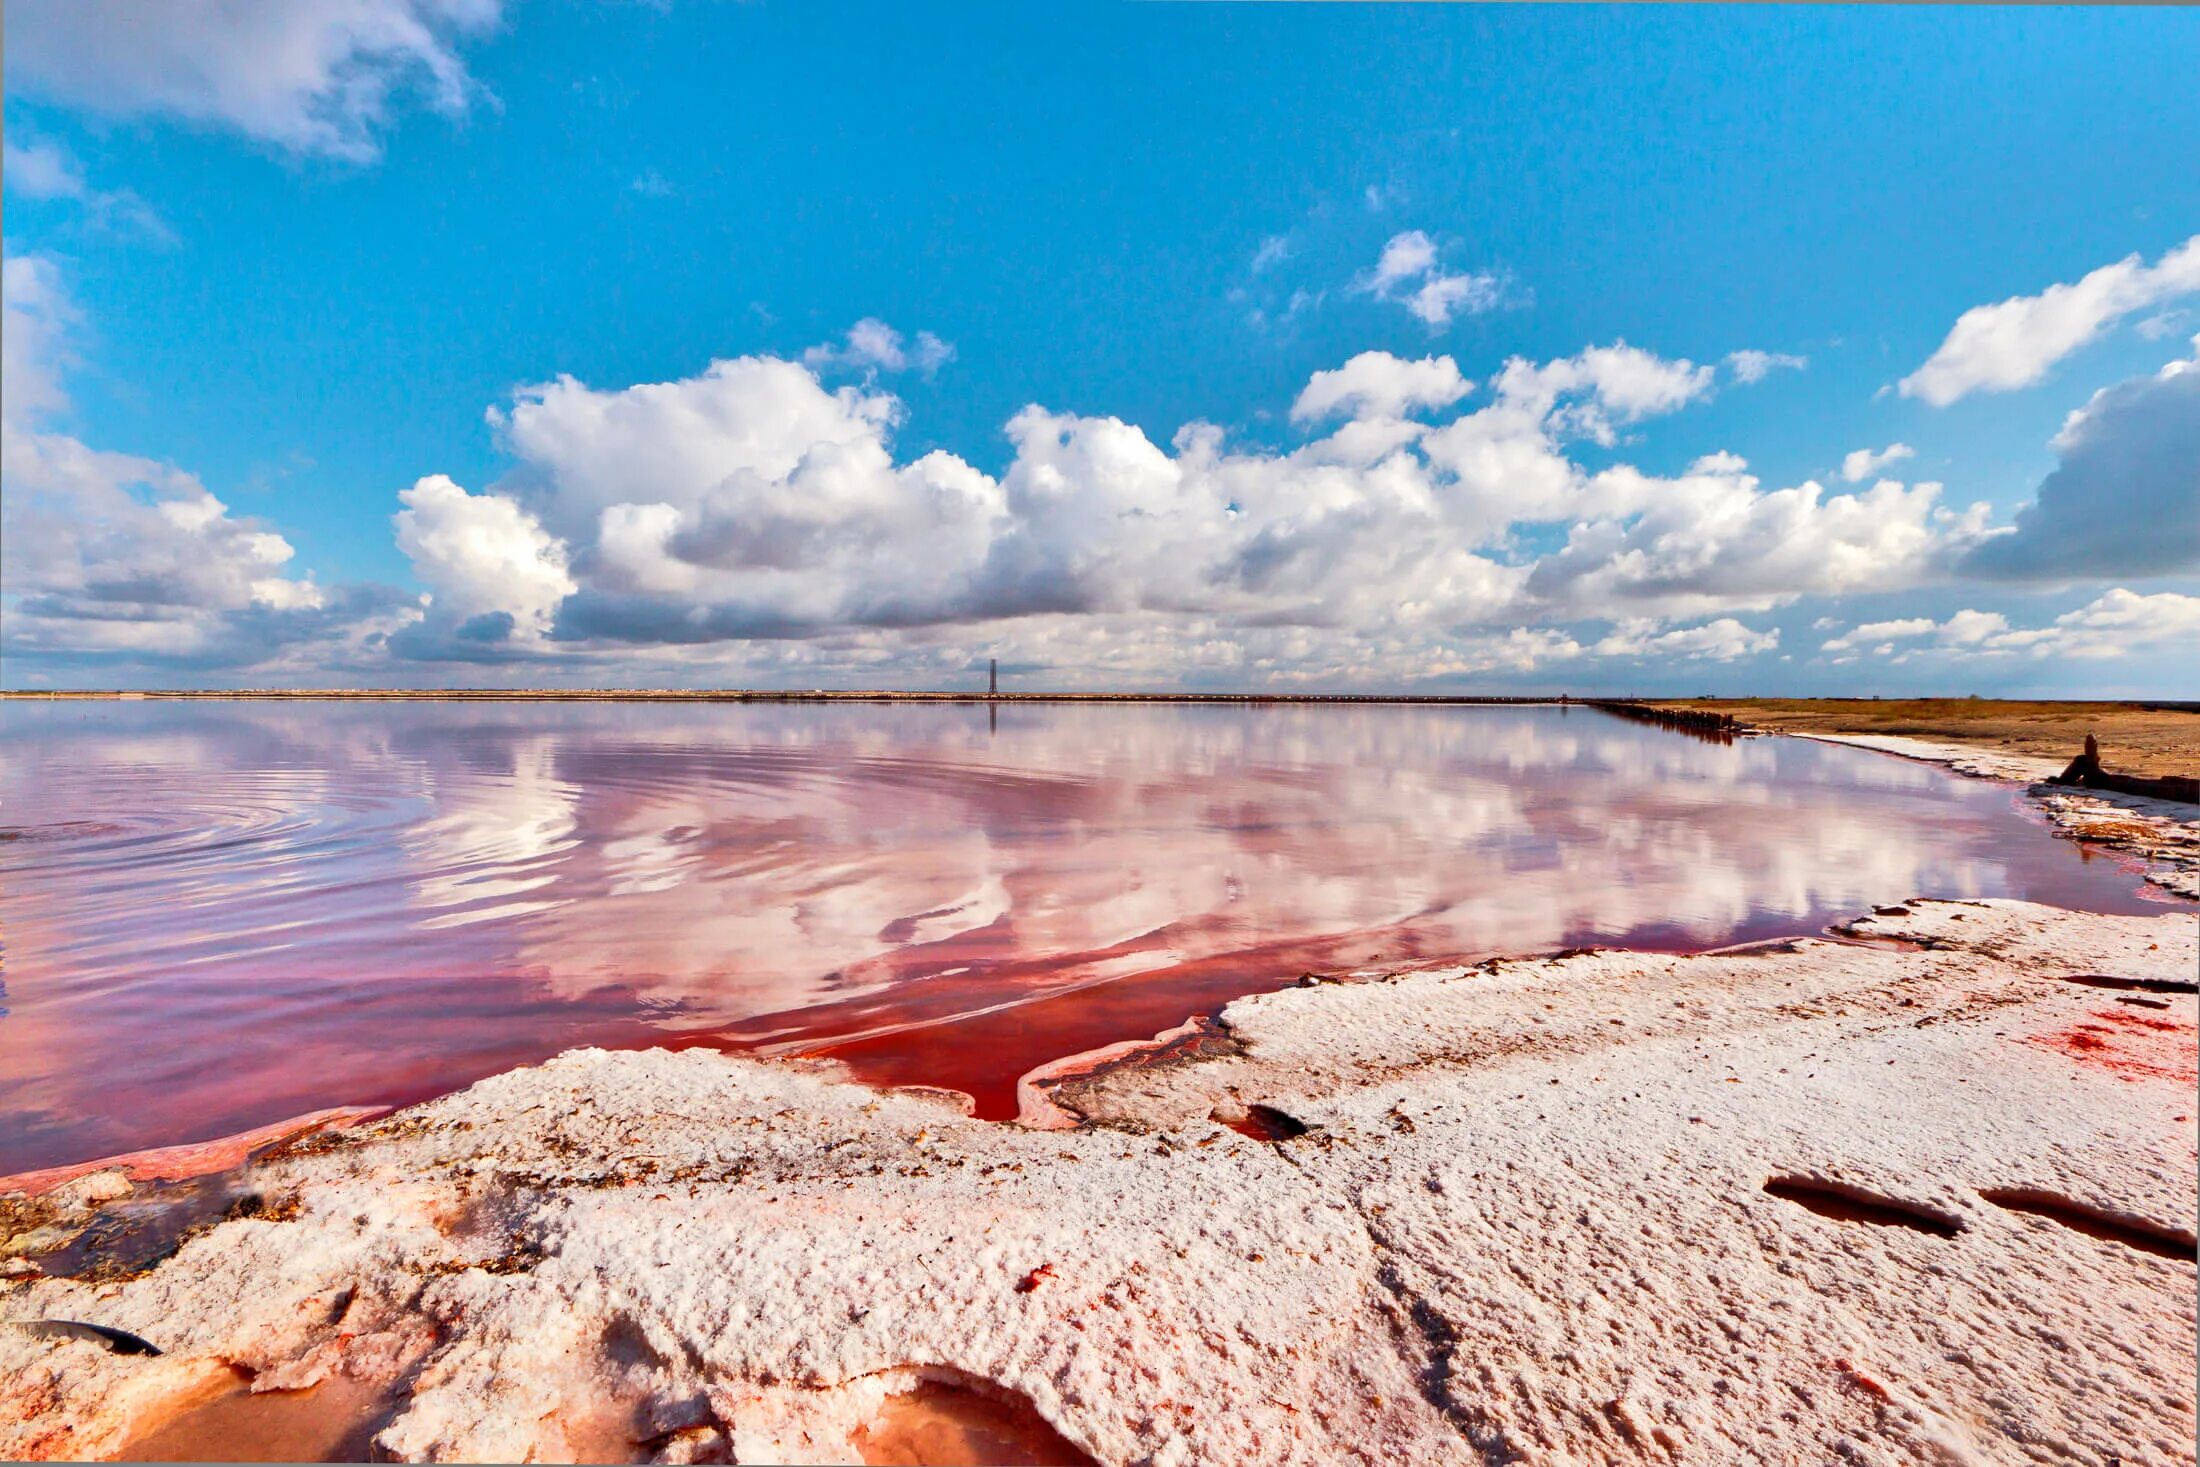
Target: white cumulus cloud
[
  {"x": 105, "y": 553},
  {"x": 2013, "y": 343},
  {"x": 873, "y": 345},
  {"x": 2115, "y": 624},
  {"x": 1860, "y": 464},
  {"x": 1409, "y": 272},
  {"x": 1612, "y": 385},
  {"x": 140, "y": 538},
  {"x": 1377, "y": 384},
  {"x": 491, "y": 568},
  {"x": 1721, "y": 640},
  {"x": 309, "y": 76},
  {"x": 1751, "y": 365},
  {"x": 752, "y": 501},
  {"x": 755, "y": 516},
  {"x": 2119, "y": 623},
  {"x": 2124, "y": 500}
]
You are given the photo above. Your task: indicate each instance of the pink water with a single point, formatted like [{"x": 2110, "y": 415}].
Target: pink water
[{"x": 220, "y": 914}]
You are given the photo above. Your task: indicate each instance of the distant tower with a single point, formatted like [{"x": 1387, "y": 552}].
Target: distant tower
[{"x": 993, "y": 677}]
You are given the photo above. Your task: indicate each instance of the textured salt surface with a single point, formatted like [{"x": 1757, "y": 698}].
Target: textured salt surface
[
  {"x": 1982, "y": 763},
  {"x": 1520, "y": 1215}
]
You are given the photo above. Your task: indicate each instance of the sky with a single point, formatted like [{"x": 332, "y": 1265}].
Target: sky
[{"x": 1659, "y": 349}]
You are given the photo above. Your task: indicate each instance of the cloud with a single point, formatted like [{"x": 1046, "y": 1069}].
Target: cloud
[
  {"x": 724, "y": 438},
  {"x": 493, "y": 572},
  {"x": 2115, "y": 624},
  {"x": 33, "y": 346},
  {"x": 1964, "y": 629},
  {"x": 1880, "y": 631},
  {"x": 41, "y": 170},
  {"x": 117, "y": 536},
  {"x": 2163, "y": 324},
  {"x": 2013, "y": 343},
  {"x": 1407, "y": 256},
  {"x": 1265, "y": 314},
  {"x": 313, "y": 77},
  {"x": 108, "y": 555},
  {"x": 2125, "y": 498},
  {"x": 1860, "y": 464},
  {"x": 753, "y": 516},
  {"x": 1273, "y": 251},
  {"x": 1377, "y": 384},
  {"x": 1619, "y": 384},
  {"x": 2119, "y": 623},
  {"x": 1408, "y": 272},
  {"x": 872, "y": 345},
  {"x": 1751, "y": 365},
  {"x": 1723, "y": 640},
  {"x": 751, "y": 501},
  {"x": 1712, "y": 541}
]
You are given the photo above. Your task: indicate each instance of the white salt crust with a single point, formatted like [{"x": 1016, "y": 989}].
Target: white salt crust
[{"x": 1525, "y": 1221}]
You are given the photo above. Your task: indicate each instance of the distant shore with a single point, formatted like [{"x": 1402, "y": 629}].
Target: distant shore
[
  {"x": 2140, "y": 737},
  {"x": 2149, "y": 735},
  {"x": 765, "y": 695},
  {"x": 2137, "y": 737}
]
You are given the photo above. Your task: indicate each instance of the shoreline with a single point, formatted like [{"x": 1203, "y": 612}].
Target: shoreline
[
  {"x": 763, "y": 695},
  {"x": 2148, "y": 738},
  {"x": 2163, "y": 834},
  {"x": 2167, "y": 856},
  {"x": 1619, "y": 1206},
  {"x": 352, "y": 1277}
]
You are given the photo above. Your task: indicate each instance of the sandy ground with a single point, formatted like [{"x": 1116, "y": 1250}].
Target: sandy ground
[
  {"x": 2134, "y": 739},
  {"x": 1922, "y": 1196}
]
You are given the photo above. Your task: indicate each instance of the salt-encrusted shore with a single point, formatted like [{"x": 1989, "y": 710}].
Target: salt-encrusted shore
[
  {"x": 2163, "y": 833},
  {"x": 1513, "y": 1212}
]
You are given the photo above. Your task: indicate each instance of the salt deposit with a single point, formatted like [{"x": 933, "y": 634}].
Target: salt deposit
[{"x": 1521, "y": 1215}]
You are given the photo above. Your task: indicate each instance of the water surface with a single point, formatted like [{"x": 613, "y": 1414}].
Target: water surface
[{"x": 221, "y": 914}]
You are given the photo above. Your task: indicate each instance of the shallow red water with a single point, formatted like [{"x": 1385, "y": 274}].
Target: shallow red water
[{"x": 219, "y": 914}]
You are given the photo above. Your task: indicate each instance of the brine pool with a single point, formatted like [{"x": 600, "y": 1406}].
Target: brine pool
[{"x": 220, "y": 914}]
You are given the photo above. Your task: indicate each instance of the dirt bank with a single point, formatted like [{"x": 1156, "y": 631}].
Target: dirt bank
[
  {"x": 1923, "y": 1196},
  {"x": 2135, "y": 738}
]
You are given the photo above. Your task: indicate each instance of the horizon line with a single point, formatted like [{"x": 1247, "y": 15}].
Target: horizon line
[{"x": 941, "y": 695}]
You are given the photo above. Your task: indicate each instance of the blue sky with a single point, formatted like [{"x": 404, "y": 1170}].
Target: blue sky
[{"x": 290, "y": 256}]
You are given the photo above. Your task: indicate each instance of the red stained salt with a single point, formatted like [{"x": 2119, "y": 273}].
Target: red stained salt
[
  {"x": 181, "y": 1163},
  {"x": 2133, "y": 1046}
]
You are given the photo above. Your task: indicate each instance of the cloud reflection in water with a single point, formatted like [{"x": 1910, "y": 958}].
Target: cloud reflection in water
[{"x": 220, "y": 914}]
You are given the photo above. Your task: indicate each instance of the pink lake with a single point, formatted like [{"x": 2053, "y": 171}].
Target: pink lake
[{"x": 217, "y": 915}]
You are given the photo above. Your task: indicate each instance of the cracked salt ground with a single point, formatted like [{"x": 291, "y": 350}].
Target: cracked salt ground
[{"x": 1499, "y": 1226}]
